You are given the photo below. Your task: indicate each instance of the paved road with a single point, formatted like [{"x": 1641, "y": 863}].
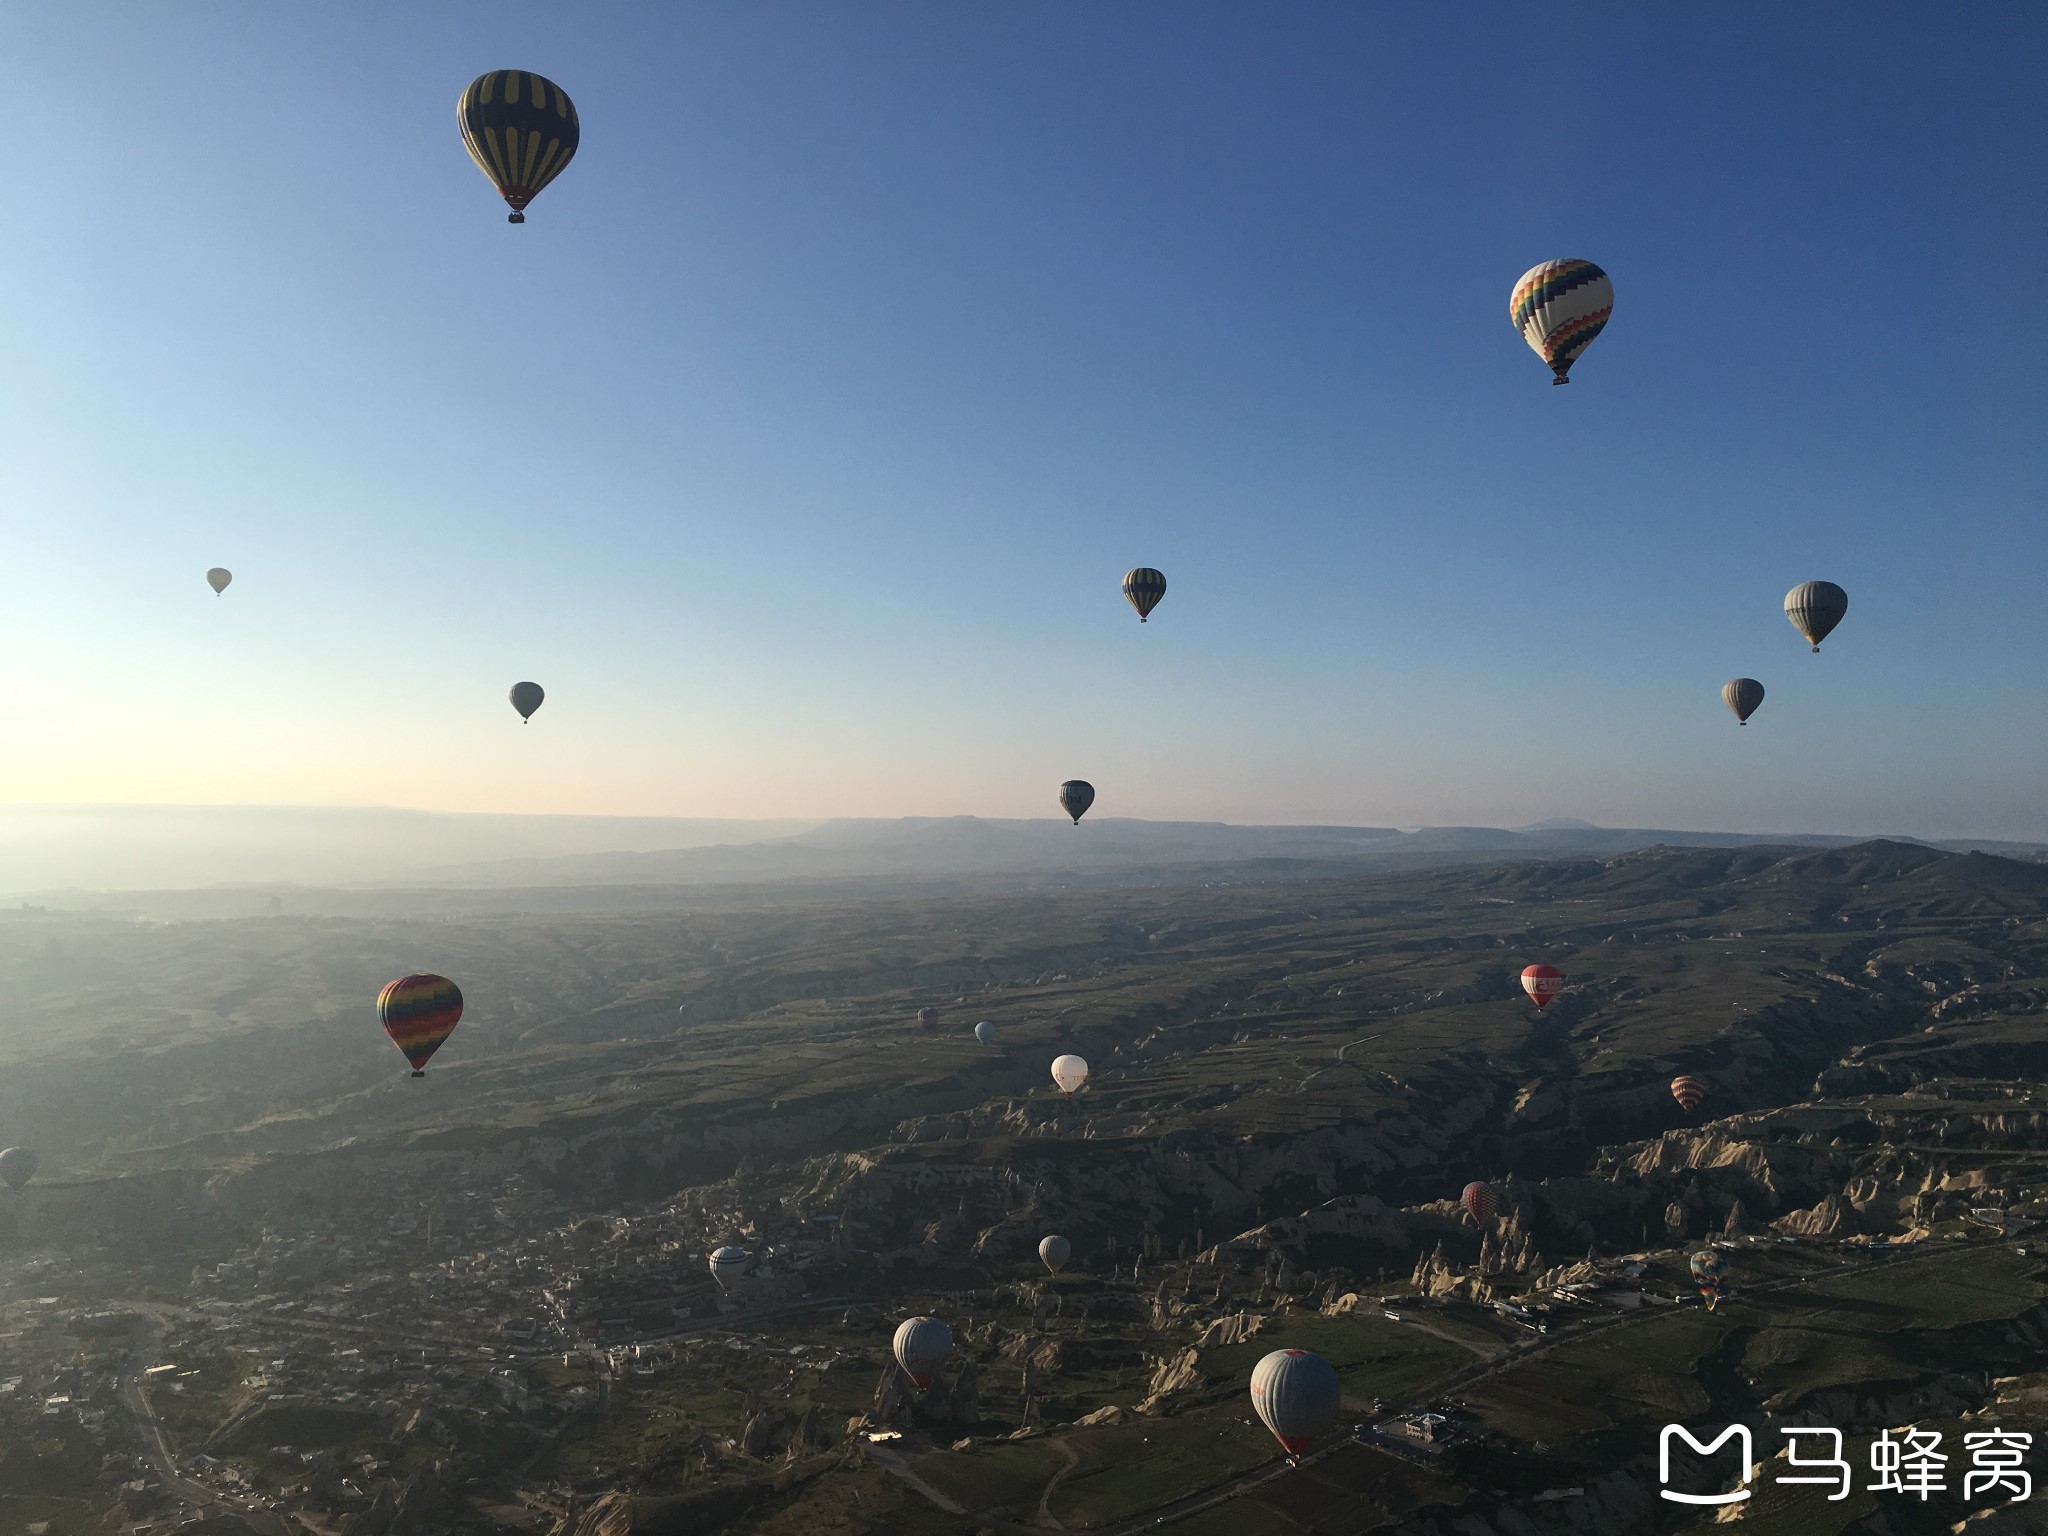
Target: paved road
[
  {"x": 195, "y": 1494},
  {"x": 1514, "y": 1355}
]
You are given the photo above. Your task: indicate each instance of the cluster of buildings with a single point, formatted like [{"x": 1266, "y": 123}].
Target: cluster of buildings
[{"x": 315, "y": 1364}]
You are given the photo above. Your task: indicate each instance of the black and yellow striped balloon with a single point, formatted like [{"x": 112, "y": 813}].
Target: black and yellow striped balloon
[
  {"x": 520, "y": 128},
  {"x": 1143, "y": 587}
]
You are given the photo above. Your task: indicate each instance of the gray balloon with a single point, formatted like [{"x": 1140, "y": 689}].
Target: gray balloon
[
  {"x": 1297, "y": 1394},
  {"x": 1054, "y": 1252},
  {"x": 1742, "y": 694},
  {"x": 218, "y": 579},
  {"x": 17, "y": 1166},
  {"x": 526, "y": 698},
  {"x": 985, "y": 1032},
  {"x": 1076, "y": 795},
  {"x": 1815, "y": 608},
  {"x": 922, "y": 1344}
]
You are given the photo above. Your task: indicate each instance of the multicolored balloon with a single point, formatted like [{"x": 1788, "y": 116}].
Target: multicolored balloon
[
  {"x": 1815, "y": 608},
  {"x": 1689, "y": 1091},
  {"x": 526, "y": 698},
  {"x": 1742, "y": 695},
  {"x": 1297, "y": 1394},
  {"x": 1480, "y": 1203},
  {"x": 1143, "y": 587},
  {"x": 1054, "y": 1252},
  {"x": 1559, "y": 307},
  {"x": 922, "y": 1345},
  {"x": 927, "y": 1018},
  {"x": 1076, "y": 795},
  {"x": 1707, "y": 1269},
  {"x": 1069, "y": 1072},
  {"x": 419, "y": 1013},
  {"x": 521, "y": 129},
  {"x": 1542, "y": 983},
  {"x": 218, "y": 579}
]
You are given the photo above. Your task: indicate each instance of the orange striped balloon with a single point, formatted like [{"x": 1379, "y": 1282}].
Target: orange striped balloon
[
  {"x": 418, "y": 1013},
  {"x": 1688, "y": 1091}
]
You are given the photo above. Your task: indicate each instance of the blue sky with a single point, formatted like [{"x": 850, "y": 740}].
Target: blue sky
[{"x": 798, "y": 441}]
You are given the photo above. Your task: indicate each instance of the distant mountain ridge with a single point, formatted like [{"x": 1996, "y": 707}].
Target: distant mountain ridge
[
  {"x": 48, "y": 849},
  {"x": 969, "y": 845}
]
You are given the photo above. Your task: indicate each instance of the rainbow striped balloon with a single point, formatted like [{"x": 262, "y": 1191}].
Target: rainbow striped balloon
[
  {"x": 1559, "y": 307},
  {"x": 418, "y": 1013}
]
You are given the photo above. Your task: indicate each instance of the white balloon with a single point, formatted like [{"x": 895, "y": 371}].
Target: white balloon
[{"x": 1070, "y": 1072}]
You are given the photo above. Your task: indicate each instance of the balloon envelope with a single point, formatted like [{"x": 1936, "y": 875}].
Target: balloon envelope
[
  {"x": 922, "y": 1344},
  {"x": 218, "y": 579},
  {"x": 1076, "y": 795},
  {"x": 1144, "y": 587},
  {"x": 985, "y": 1032},
  {"x": 1815, "y": 608},
  {"x": 17, "y": 1166},
  {"x": 1054, "y": 1252},
  {"x": 1559, "y": 307},
  {"x": 927, "y": 1017},
  {"x": 1481, "y": 1203},
  {"x": 520, "y": 128},
  {"x": 1688, "y": 1091},
  {"x": 1297, "y": 1394},
  {"x": 526, "y": 698},
  {"x": 727, "y": 1265},
  {"x": 419, "y": 1013},
  {"x": 1070, "y": 1072},
  {"x": 1542, "y": 983},
  {"x": 1707, "y": 1269},
  {"x": 1742, "y": 695}
]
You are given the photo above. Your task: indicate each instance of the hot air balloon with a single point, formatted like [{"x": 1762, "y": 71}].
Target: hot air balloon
[
  {"x": 927, "y": 1018},
  {"x": 1559, "y": 307},
  {"x": 985, "y": 1032},
  {"x": 727, "y": 1265},
  {"x": 1054, "y": 1252},
  {"x": 1297, "y": 1394},
  {"x": 418, "y": 1013},
  {"x": 17, "y": 1166},
  {"x": 1076, "y": 795},
  {"x": 1742, "y": 695},
  {"x": 1144, "y": 586},
  {"x": 1707, "y": 1269},
  {"x": 1480, "y": 1203},
  {"x": 1070, "y": 1072},
  {"x": 1542, "y": 983},
  {"x": 1815, "y": 608},
  {"x": 520, "y": 129},
  {"x": 922, "y": 1344},
  {"x": 526, "y": 698},
  {"x": 1688, "y": 1091},
  {"x": 218, "y": 579}
]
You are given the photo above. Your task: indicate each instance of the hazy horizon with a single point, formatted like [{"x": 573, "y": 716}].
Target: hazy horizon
[{"x": 48, "y": 849}]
